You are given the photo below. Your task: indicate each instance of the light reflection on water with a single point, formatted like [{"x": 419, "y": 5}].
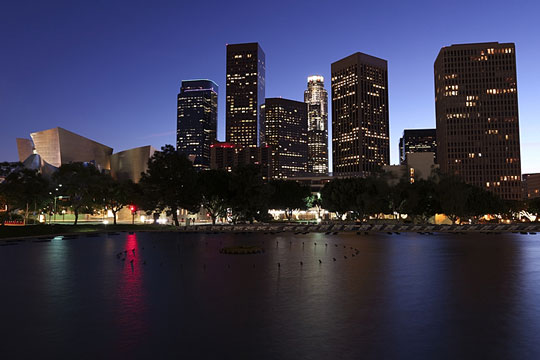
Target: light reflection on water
[{"x": 402, "y": 296}]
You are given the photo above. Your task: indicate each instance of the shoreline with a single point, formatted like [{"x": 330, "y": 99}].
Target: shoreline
[{"x": 48, "y": 233}]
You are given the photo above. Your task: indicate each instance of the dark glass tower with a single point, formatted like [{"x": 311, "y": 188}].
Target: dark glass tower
[
  {"x": 360, "y": 134},
  {"x": 417, "y": 140},
  {"x": 197, "y": 120},
  {"x": 245, "y": 93},
  {"x": 476, "y": 105},
  {"x": 316, "y": 97},
  {"x": 285, "y": 129}
]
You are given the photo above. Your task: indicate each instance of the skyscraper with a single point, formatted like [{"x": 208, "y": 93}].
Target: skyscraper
[
  {"x": 285, "y": 130},
  {"x": 477, "y": 116},
  {"x": 197, "y": 120},
  {"x": 417, "y": 140},
  {"x": 245, "y": 93},
  {"x": 360, "y": 135},
  {"x": 317, "y": 99}
]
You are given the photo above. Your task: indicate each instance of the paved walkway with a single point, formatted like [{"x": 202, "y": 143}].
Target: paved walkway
[{"x": 394, "y": 228}]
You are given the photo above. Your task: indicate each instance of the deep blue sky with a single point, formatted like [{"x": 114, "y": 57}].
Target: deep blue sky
[{"x": 111, "y": 70}]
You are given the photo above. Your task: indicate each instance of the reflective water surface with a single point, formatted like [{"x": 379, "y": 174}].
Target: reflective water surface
[{"x": 405, "y": 296}]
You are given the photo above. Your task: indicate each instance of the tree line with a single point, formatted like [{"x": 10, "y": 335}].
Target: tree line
[
  {"x": 172, "y": 183},
  {"x": 376, "y": 195}
]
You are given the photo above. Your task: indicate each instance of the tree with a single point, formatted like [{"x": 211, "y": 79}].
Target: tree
[
  {"x": 534, "y": 207},
  {"x": 397, "y": 197},
  {"x": 117, "y": 194},
  {"x": 80, "y": 182},
  {"x": 376, "y": 196},
  {"x": 249, "y": 194},
  {"x": 337, "y": 196},
  {"x": 453, "y": 195},
  {"x": 172, "y": 182},
  {"x": 315, "y": 201},
  {"x": 7, "y": 168},
  {"x": 215, "y": 192},
  {"x": 288, "y": 195},
  {"x": 481, "y": 202},
  {"x": 421, "y": 200},
  {"x": 23, "y": 188}
]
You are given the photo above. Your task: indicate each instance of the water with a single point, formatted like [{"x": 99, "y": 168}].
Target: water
[{"x": 402, "y": 296}]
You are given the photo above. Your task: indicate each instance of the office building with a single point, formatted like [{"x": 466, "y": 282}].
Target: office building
[
  {"x": 197, "y": 120},
  {"x": 531, "y": 186},
  {"x": 417, "y": 166},
  {"x": 245, "y": 93},
  {"x": 316, "y": 98},
  {"x": 360, "y": 129},
  {"x": 417, "y": 140},
  {"x": 476, "y": 107},
  {"x": 285, "y": 130},
  {"x": 227, "y": 156}
]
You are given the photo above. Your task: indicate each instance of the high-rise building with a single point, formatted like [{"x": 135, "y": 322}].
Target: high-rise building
[
  {"x": 245, "y": 93},
  {"x": 417, "y": 140},
  {"x": 316, "y": 98},
  {"x": 531, "y": 186},
  {"x": 360, "y": 129},
  {"x": 285, "y": 131},
  {"x": 477, "y": 116},
  {"x": 197, "y": 120}
]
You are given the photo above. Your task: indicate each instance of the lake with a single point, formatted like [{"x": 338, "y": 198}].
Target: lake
[{"x": 406, "y": 296}]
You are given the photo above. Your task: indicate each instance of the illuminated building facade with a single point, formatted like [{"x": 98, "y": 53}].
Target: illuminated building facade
[
  {"x": 50, "y": 149},
  {"x": 360, "y": 129},
  {"x": 417, "y": 140},
  {"x": 285, "y": 130},
  {"x": 227, "y": 156},
  {"x": 477, "y": 116},
  {"x": 197, "y": 120},
  {"x": 130, "y": 164},
  {"x": 316, "y": 98},
  {"x": 531, "y": 186},
  {"x": 59, "y": 146},
  {"x": 245, "y": 93}
]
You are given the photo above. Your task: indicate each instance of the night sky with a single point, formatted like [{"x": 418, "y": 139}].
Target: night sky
[{"x": 111, "y": 70}]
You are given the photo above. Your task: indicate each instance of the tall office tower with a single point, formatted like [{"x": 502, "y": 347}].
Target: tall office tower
[
  {"x": 316, "y": 98},
  {"x": 285, "y": 131},
  {"x": 417, "y": 140},
  {"x": 245, "y": 93},
  {"x": 477, "y": 116},
  {"x": 197, "y": 120},
  {"x": 360, "y": 134}
]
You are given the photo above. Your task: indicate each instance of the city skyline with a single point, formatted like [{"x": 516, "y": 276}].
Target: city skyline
[{"x": 94, "y": 84}]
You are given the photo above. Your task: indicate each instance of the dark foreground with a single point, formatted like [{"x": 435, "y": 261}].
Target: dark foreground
[{"x": 407, "y": 296}]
